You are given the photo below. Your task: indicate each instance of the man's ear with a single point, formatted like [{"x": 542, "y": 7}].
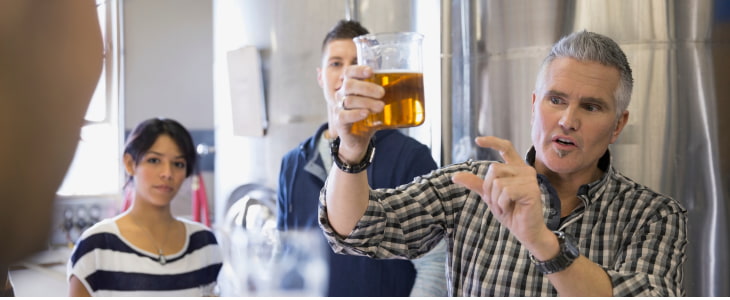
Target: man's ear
[
  {"x": 533, "y": 101},
  {"x": 622, "y": 120},
  {"x": 319, "y": 77},
  {"x": 129, "y": 164},
  {"x": 532, "y": 113}
]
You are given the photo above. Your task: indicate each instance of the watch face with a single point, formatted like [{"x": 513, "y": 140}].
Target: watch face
[{"x": 568, "y": 253}]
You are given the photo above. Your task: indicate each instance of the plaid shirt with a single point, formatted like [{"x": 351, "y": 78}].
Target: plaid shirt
[{"x": 636, "y": 235}]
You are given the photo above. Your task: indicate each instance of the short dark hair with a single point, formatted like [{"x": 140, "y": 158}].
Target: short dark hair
[
  {"x": 141, "y": 139},
  {"x": 344, "y": 29}
]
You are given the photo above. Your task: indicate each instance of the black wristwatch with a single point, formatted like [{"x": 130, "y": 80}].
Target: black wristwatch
[
  {"x": 568, "y": 253},
  {"x": 352, "y": 169}
]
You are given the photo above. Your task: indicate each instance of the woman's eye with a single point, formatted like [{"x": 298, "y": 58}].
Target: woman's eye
[
  {"x": 336, "y": 64},
  {"x": 180, "y": 165},
  {"x": 153, "y": 160}
]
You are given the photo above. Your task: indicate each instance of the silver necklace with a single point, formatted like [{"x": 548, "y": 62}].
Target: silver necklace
[{"x": 160, "y": 254}]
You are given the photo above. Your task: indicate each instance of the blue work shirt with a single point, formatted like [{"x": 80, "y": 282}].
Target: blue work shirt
[{"x": 398, "y": 159}]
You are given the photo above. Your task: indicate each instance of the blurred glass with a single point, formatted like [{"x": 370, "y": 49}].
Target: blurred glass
[
  {"x": 276, "y": 263},
  {"x": 260, "y": 260}
]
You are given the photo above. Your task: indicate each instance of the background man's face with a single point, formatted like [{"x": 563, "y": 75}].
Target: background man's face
[
  {"x": 574, "y": 116},
  {"x": 337, "y": 55}
]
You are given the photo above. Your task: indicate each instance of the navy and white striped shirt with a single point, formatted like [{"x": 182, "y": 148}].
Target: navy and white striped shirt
[
  {"x": 108, "y": 265},
  {"x": 636, "y": 235}
]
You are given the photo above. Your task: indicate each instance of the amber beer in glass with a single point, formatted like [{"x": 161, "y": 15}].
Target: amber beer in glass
[{"x": 397, "y": 64}]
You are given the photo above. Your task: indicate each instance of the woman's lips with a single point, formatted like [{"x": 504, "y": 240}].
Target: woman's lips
[{"x": 163, "y": 188}]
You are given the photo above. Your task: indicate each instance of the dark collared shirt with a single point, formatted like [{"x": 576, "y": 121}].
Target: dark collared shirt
[
  {"x": 398, "y": 159},
  {"x": 635, "y": 234}
]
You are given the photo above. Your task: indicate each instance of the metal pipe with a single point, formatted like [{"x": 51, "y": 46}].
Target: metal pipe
[
  {"x": 446, "y": 84},
  {"x": 352, "y": 11}
]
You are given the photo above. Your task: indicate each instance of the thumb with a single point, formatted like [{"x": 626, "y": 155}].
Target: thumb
[
  {"x": 469, "y": 181},
  {"x": 505, "y": 148}
]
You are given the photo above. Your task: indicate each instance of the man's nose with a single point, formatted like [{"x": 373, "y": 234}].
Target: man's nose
[
  {"x": 569, "y": 120},
  {"x": 341, "y": 77}
]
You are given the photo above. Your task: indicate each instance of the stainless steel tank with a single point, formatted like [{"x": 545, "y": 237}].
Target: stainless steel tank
[{"x": 678, "y": 51}]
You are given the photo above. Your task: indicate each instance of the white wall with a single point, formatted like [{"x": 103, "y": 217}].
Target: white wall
[{"x": 168, "y": 61}]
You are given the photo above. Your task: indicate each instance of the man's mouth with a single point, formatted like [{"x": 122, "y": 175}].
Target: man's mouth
[{"x": 564, "y": 141}]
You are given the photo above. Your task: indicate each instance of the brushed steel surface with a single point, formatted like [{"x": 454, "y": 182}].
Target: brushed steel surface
[{"x": 672, "y": 143}]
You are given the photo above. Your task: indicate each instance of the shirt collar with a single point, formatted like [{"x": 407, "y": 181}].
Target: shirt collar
[
  {"x": 315, "y": 164},
  {"x": 589, "y": 190}
]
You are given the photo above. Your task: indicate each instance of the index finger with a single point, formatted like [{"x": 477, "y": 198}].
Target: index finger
[
  {"x": 358, "y": 71},
  {"x": 505, "y": 148},
  {"x": 354, "y": 83}
]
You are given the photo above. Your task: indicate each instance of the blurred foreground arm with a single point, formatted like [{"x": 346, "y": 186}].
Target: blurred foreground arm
[{"x": 51, "y": 54}]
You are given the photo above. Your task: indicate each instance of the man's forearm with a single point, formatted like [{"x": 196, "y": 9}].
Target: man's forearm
[
  {"x": 347, "y": 199},
  {"x": 582, "y": 278}
]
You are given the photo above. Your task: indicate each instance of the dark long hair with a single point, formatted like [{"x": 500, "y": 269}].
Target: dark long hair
[{"x": 141, "y": 139}]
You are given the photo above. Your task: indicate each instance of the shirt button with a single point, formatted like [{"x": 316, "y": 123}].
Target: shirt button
[{"x": 552, "y": 212}]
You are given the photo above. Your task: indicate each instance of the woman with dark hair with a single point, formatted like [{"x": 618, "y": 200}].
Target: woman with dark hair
[{"x": 146, "y": 251}]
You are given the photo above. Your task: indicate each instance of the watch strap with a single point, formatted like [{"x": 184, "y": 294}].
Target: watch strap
[{"x": 568, "y": 253}]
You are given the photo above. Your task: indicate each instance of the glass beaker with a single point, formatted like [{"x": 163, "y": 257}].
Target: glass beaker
[{"x": 397, "y": 62}]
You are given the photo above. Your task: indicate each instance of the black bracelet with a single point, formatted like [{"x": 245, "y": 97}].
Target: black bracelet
[{"x": 352, "y": 169}]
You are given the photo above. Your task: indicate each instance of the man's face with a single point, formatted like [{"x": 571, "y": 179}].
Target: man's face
[
  {"x": 337, "y": 55},
  {"x": 574, "y": 116}
]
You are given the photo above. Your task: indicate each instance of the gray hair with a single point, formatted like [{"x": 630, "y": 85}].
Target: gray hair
[{"x": 590, "y": 46}]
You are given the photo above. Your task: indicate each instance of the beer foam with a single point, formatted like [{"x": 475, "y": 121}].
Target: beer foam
[{"x": 397, "y": 71}]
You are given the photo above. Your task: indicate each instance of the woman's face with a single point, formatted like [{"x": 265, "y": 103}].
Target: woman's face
[{"x": 159, "y": 173}]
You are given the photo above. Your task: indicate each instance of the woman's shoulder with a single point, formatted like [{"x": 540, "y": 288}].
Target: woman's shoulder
[
  {"x": 102, "y": 235},
  {"x": 194, "y": 225},
  {"x": 199, "y": 236},
  {"x": 104, "y": 226}
]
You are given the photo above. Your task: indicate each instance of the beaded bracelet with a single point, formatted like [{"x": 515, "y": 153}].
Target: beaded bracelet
[{"x": 352, "y": 169}]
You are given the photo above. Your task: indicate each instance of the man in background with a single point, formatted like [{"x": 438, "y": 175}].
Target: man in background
[{"x": 398, "y": 160}]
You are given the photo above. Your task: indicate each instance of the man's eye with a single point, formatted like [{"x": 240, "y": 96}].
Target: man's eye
[
  {"x": 336, "y": 64},
  {"x": 592, "y": 107},
  {"x": 555, "y": 100}
]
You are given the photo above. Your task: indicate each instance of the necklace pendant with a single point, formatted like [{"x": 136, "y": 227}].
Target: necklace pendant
[{"x": 161, "y": 258}]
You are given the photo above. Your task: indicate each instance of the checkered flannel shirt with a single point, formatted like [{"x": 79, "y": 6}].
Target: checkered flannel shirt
[{"x": 636, "y": 235}]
